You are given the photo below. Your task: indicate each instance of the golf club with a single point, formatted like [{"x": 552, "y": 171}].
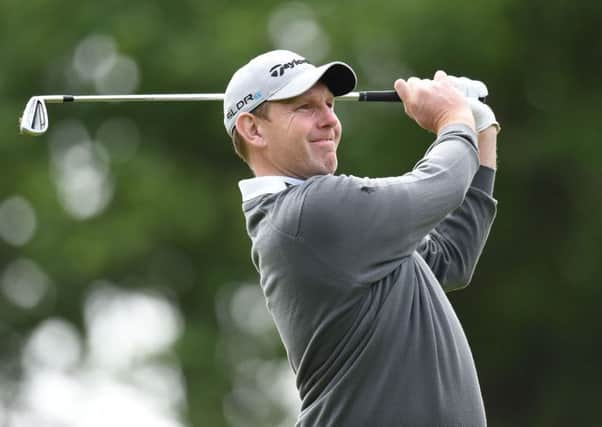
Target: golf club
[{"x": 34, "y": 120}]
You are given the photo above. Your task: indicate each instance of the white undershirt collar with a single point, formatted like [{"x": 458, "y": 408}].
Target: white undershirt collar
[{"x": 254, "y": 187}]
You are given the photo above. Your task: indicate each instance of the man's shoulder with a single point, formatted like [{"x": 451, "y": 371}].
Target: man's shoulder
[
  {"x": 316, "y": 200},
  {"x": 326, "y": 200},
  {"x": 330, "y": 183}
]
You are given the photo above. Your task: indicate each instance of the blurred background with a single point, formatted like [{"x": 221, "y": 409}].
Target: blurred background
[{"x": 127, "y": 294}]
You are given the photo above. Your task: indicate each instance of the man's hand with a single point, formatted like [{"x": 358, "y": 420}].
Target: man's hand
[{"x": 434, "y": 104}]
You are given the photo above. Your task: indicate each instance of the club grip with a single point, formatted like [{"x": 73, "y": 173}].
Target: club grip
[
  {"x": 379, "y": 96},
  {"x": 387, "y": 96}
]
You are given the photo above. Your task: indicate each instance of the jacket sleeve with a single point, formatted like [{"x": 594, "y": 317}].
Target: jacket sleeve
[
  {"x": 453, "y": 248},
  {"x": 363, "y": 227}
]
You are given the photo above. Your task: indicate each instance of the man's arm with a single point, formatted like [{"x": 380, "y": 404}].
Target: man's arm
[
  {"x": 453, "y": 248},
  {"x": 488, "y": 147},
  {"x": 366, "y": 226}
]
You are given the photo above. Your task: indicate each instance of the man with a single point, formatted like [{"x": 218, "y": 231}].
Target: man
[{"x": 354, "y": 269}]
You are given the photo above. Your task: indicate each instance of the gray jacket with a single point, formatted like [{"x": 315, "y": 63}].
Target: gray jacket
[{"x": 354, "y": 272}]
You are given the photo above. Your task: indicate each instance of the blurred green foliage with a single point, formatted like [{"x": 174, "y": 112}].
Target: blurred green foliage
[{"x": 531, "y": 311}]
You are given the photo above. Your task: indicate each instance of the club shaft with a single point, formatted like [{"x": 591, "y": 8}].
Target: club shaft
[
  {"x": 59, "y": 99},
  {"x": 386, "y": 96},
  {"x": 362, "y": 96}
]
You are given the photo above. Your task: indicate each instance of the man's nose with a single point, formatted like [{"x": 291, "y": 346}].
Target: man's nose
[{"x": 328, "y": 116}]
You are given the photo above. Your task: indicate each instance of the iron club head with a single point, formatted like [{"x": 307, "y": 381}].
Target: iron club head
[{"x": 34, "y": 120}]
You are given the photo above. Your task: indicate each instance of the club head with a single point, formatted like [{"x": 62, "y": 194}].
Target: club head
[{"x": 34, "y": 120}]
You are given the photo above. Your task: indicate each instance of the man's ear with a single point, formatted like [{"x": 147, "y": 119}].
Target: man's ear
[{"x": 247, "y": 127}]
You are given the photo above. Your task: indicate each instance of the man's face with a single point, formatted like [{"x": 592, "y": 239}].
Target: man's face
[{"x": 302, "y": 134}]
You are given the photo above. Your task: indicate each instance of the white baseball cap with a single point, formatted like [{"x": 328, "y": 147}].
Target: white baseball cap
[{"x": 278, "y": 75}]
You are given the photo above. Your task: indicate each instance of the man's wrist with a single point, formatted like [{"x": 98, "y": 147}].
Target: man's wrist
[
  {"x": 487, "y": 142},
  {"x": 457, "y": 118}
]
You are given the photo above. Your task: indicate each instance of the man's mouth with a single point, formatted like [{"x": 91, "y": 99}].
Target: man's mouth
[{"x": 322, "y": 141}]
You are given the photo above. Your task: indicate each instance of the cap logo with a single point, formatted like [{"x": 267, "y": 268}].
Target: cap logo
[
  {"x": 279, "y": 69},
  {"x": 241, "y": 103}
]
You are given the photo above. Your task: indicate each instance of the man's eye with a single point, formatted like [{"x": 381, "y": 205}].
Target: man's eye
[{"x": 303, "y": 107}]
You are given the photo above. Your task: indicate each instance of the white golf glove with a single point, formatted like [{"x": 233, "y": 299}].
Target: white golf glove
[
  {"x": 473, "y": 90},
  {"x": 483, "y": 115}
]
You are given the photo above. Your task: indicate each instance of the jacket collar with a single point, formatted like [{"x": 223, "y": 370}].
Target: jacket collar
[{"x": 254, "y": 187}]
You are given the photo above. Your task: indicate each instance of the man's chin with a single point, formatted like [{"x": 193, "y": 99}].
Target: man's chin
[
  {"x": 327, "y": 166},
  {"x": 332, "y": 164},
  {"x": 329, "y": 169}
]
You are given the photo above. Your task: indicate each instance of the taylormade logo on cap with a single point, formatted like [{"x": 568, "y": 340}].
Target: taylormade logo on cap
[
  {"x": 278, "y": 69},
  {"x": 277, "y": 75}
]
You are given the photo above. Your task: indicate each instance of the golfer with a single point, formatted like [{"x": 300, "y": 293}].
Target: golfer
[{"x": 354, "y": 270}]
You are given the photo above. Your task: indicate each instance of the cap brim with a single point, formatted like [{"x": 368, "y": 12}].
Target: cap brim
[{"x": 337, "y": 76}]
